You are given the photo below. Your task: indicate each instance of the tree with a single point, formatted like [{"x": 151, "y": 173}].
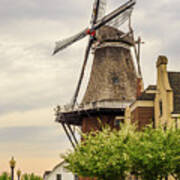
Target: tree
[
  {"x": 102, "y": 154},
  {"x": 151, "y": 154},
  {"x": 176, "y": 161}
]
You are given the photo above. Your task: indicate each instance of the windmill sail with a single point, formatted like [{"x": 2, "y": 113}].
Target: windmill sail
[
  {"x": 103, "y": 21},
  {"x": 67, "y": 42},
  {"x": 102, "y": 9},
  {"x": 121, "y": 19},
  {"x": 121, "y": 10},
  {"x": 99, "y": 9}
]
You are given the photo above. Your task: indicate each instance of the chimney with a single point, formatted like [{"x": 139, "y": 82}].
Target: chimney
[
  {"x": 162, "y": 74},
  {"x": 162, "y": 62},
  {"x": 140, "y": 86}
]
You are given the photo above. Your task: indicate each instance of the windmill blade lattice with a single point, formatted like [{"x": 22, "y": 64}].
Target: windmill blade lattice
[
  {"x": 60, "y": 45},
  {"x": 120, "y": 19},
  {"x": 100, "y": 11}
]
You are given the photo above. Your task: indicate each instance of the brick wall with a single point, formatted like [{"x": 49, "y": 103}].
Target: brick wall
[
  {"x": 142, "y": 116},
  {"x": 92, "y": 124}
]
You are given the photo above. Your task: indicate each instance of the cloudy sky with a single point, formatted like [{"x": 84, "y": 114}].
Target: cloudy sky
[{"x": 32, "y": 82}]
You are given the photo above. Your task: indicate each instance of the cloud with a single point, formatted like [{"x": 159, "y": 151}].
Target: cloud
[
  {"x": 56, "y": 10},
  {"x": 34, "y": 78},
  {"x": 35, "y": 117},
  {"x": 32, "y": 140},
  {"x": 36, "y": 135}
]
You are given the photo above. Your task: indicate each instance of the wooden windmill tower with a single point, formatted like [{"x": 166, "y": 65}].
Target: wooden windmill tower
[{"x": 113, "y": 81}]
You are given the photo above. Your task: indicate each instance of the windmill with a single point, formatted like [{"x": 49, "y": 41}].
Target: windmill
[
  {"x": 112, "y": 85},
  {"x": 117, "y": 17}
]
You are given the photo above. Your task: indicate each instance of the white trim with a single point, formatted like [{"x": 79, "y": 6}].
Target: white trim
[
  {"x": 151, "y": 91},
  {"x": 96, "y": 105},
  {"x": 176, "y": 115},
  {"x": 113, "y": 44},
  {"x": 141, "y": 104}
]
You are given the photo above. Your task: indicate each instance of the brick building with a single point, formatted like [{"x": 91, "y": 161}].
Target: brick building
[{"x": 159, "y": 104}]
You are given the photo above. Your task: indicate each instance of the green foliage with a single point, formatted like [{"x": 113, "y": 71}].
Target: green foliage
[
  {"x": 5, "y": 176},
  {"x": 102, "y": 154},
  {"x": 110, "y": 154},
  {"x": 153, "y": 154},
  {"x": 31, "y": 176},
  {"x": 176, "y": 160}
]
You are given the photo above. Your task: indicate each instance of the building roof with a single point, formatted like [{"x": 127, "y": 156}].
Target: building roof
[
  {"x": 174, "y": 79},
  {"x": 146, "y": 97},
  {"x": 108, "y": 33},
  {"x": 148, "y": 94},
  {"x": 151, "y": 87},
  {"x": 46, "y": 173}
]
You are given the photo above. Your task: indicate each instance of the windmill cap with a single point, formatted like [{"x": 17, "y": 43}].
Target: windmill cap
[{"x": 108, "y": 33}]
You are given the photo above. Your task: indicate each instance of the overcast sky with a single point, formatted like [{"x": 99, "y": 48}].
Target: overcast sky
[{"x": 32, "y": 82}]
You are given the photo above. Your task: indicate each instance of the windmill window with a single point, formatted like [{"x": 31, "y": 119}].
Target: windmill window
[{"x": 115, "y": 79}]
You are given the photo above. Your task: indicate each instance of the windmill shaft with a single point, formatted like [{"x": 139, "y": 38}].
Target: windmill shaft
[
  {"x": 114, "y": 14},
  {"x": 83, "y": 69}
]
